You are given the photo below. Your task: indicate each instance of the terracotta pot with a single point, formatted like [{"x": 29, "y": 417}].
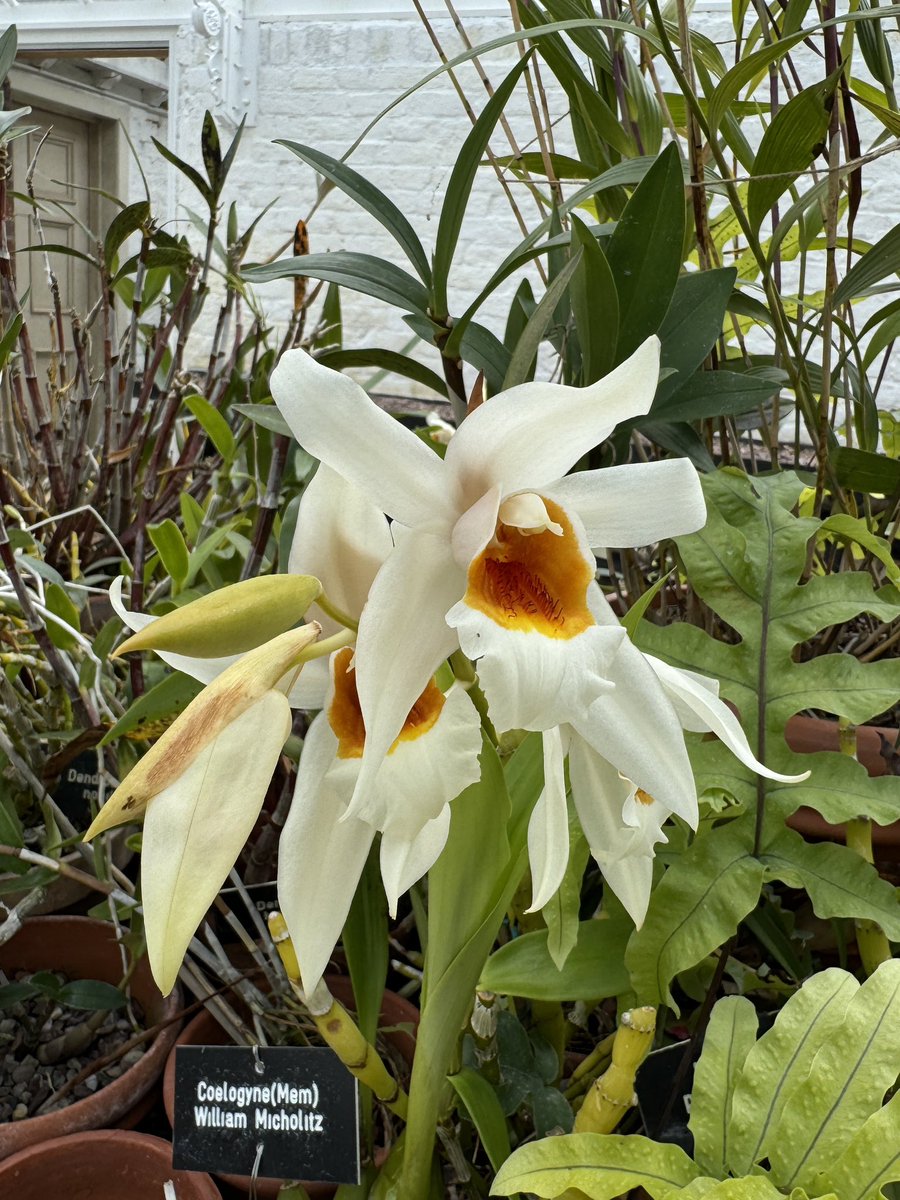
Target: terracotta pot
[
  {"x": 805, "y": 735},
  {"x": 106, "y": 1164},
  {"x": 87, "y": 949},
  {"x": 204, "y": 1030}
]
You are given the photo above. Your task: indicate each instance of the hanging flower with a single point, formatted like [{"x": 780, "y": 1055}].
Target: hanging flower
[{"x": 493, "y": 553}]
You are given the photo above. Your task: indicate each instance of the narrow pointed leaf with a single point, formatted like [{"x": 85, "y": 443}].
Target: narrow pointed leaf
[
  {"x": 169, "y": 543},
  {"x": 162, "y": 702},
  {"x": 522, "y": 357},
  {"x": 368, "y": 197},
  {"x": 459, "y": 186},
  {"x": 214, "y": 425},
  {"x": 486, "y": 1113},
  {"x": 360, "y": 272}
]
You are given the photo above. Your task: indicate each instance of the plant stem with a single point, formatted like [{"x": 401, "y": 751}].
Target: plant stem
[{"x": 874, "y": 948}]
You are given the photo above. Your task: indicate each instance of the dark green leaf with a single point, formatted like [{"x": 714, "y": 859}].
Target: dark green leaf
[
  {"x": 866, "y": 472},
  {"x": 8, "y": 46},
  {"x": 692, "y": 325},
  {"x": 460, "y": 183},
  {"x": 361, "y": 272},
  {"x": 713, "y": 394},
  {"x": 211, "y": 151},
  {"x": 645, "y": 251},
  {"x": 188, "y": 171},
  {"x": 266, "y": 415},
  {"x": 93, "y": 995},
  {"x": 385, "y": 360},
  {"x": 370, "y": 198},
  {"x": 61, "y": 606},
  {"x": 162, "y": 702},
  {"x": 794, "y": 138},
  {"x": 122, "y": 226},
  {"x": 524, "y": 353},
  {"x": 214, "y": 425},
  {"x": 883, "y": 259},
  {"x": 595, "y": 305},
  {"x": 16, "y": 993},
  {"x": 365, "y": 940}
]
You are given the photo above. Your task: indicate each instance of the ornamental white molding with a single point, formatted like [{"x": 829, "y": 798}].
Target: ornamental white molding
[{"x": 232, "y": 57}]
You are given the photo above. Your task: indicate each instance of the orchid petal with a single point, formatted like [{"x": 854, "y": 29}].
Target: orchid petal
[
  {"x": 403, "y": 638},
  {"x": 624, "y": 856},
  {"x": 320, "y": 856},
  {"x": 334, "y": 420},
  {"x": 403, "y": 863},
  {"x": 532, "y": 681},
  {"x": 195, "y": 828},
  {"x": 634, "y": 504},
  {"x": 475, "y": 527},
  {"x": 203, "y": 669},
  {"x": 536, "y": 432},
  {"x": 548, "y": 828},
  {"x": 342, "y": 539},
  {"x": 635, "y": 727},
  {"x": 693, "y": 691}
]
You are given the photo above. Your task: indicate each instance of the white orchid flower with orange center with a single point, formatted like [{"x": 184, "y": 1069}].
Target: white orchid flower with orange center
[
  {"x": 493, "y": 553},
  {"x": 342, "y": 539}
]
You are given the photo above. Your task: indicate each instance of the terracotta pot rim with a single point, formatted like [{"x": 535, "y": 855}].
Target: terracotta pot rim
[
  {"x": 92, "y": 1142},
  {"x": 110, "y": 1102}
]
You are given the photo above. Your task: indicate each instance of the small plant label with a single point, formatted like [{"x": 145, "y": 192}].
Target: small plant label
[
  {"x": 292, "y": 1112},
  {"x": 79, "y": 784}
]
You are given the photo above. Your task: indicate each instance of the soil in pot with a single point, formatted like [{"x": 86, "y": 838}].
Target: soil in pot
[
  {"x": 106, "y": 1164},
  {"x": 81, "y": 948},
  {"x": 399, "y": 1020}
]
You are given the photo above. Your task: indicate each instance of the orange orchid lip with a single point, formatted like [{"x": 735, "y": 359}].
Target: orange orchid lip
[
  {"x": 534, "y": 582},
  {"x": 345, "y": 715}
]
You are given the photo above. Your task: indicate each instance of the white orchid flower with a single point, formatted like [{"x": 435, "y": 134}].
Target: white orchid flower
[
  {"x": 342, "y": 539},
  {"x": 493, "y": 553}
]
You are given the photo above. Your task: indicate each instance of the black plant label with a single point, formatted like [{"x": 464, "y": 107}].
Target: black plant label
[{"x": 282, "y": 1112}]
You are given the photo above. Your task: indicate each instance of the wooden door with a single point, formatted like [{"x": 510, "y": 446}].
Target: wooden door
[{"x": 65, "y": 169}]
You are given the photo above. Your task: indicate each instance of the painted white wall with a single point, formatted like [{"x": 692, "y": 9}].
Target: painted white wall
[{"x": 325, "y": 68}]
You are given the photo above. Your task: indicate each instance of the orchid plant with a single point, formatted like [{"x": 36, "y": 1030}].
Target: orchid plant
[{"x": 481, "y": 560}]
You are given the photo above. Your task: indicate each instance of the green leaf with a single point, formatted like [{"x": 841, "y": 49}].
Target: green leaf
[
  {"x": 866, "y": 472},
  {"x": 93, "y": 995},
  {"x": 561, "y": 912},
  {"x": 191, "y": 515},
  {"x": 713, "y": 394},
  {"x": 692, "y": 325},
  {"x": 593, "y": 969},
  {"x": 8, "y": 46},
  {"x": 360, "y": 272},
  {"x": 602, "y": 1166},
  {"x": 126, "y": 222},
  {"x": 780, "y": 1061},
  {"x": 794, "y": 138},
  {"x": 746, "y": 564},
  {"x": 870, "y": 1160},
  {"x": 485, "y": 1112},
  {"x": 695, "y": 908},
  {"x": 750, "y": 67},
  {"x": 11, "y": 831},
  {"x": 853, "y": 1070},
  {"x": 15, "y": 993},
  {"x": 365, "y": 941},
  {"x": 527, "y": 347},
  {"x": 459, "y": 186},
  {"x": 211, "y": 151},
  {"x": 369, "y": 198},
  {"x": 169, "y": 543},
  {"x": 753, "y": 1188},
  {"x": 266, "y": 415},
  {"x": 60, "y": 605},
  {"x": 385, "y": 360},
  {"x": 883, "y": 259},
  {"x": 729, "y": 1037},
  {"x": 162, "y": 702},
  {"x": 595, "y": 305},
  {"x": 645, "y": 250},
  {"x": 214, "y": 425},
  {"x": 838, "y": 881},
  {"x": 188, "y": 171}
]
